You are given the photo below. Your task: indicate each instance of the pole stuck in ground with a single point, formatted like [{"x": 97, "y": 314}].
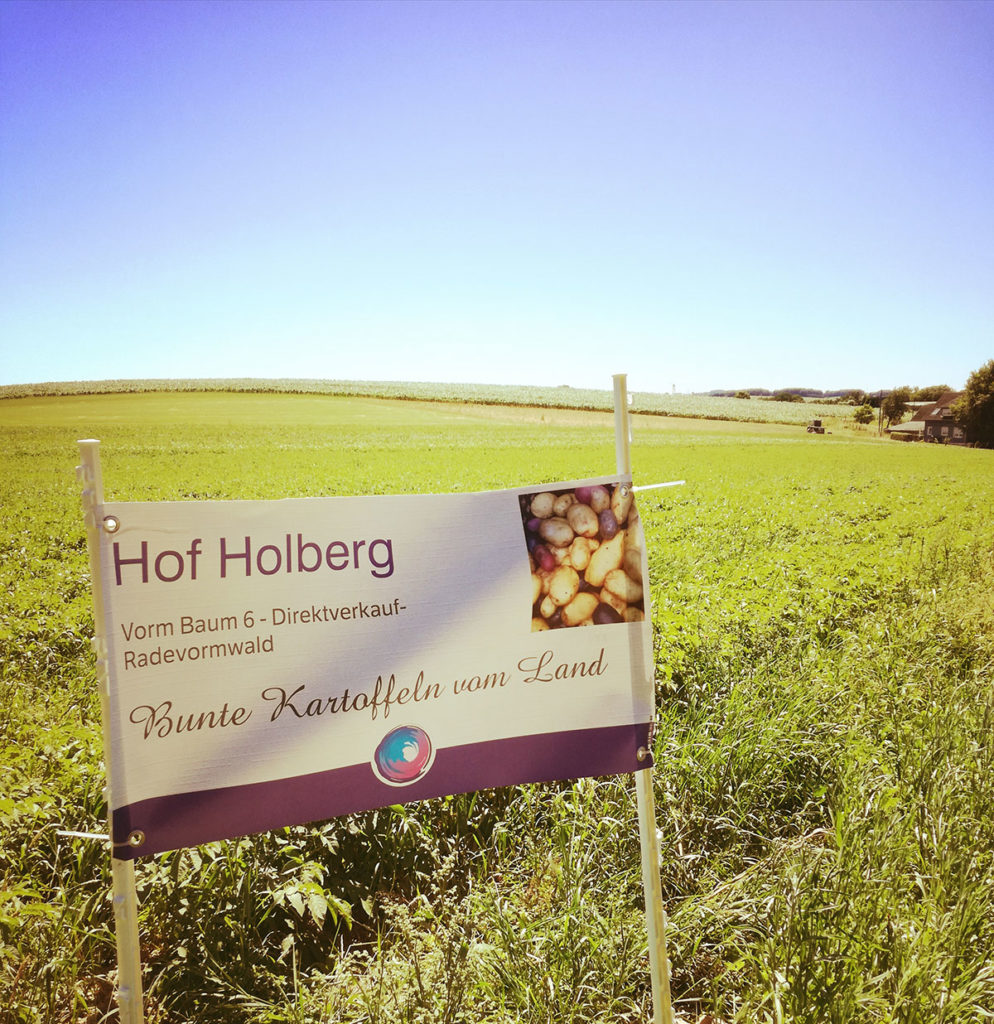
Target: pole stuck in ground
[
  {"x": 654, "y": 913},
  {"x": 125, "y": 898}
]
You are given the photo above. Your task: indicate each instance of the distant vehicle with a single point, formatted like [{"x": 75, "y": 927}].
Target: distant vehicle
[{"x": 815, "y": 427}]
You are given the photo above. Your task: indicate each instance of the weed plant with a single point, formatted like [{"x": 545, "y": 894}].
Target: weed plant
[{"x": 824, "y": 640}]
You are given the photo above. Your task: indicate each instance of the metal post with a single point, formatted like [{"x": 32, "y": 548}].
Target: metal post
[
  {"x": 125, "y": 897},
  {"x": 655, "y": 915}
]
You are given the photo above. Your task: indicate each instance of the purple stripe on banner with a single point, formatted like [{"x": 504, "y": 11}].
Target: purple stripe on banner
[{"x": 189, "y": 819}]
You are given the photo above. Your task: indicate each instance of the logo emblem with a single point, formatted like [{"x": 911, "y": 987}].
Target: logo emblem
[{"x": 403, "y": 756}]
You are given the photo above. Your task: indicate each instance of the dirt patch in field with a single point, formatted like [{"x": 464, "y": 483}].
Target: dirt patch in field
[{"x": 641, "y": 422}]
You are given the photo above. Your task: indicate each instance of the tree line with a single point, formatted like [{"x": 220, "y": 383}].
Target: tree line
[{"x": 850, "y": 396}]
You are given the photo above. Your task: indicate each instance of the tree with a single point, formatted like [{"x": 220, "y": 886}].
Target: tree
[
  {"x": 974, "y": 409},
  {"x": 864, "y": 414},
  {"x": 742, "y": 394},
  {"x": 895, "y": 405},
  {"x": 932, "y": 393}
]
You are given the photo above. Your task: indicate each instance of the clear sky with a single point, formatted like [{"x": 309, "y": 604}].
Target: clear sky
[{"x": 700, "y": 195}]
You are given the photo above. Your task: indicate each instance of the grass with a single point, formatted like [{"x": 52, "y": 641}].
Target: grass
[{"x": 824, "y": 639}]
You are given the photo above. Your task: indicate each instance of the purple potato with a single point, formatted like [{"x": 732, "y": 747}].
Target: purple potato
[
  {"x": 544, "y": 558},
  {"x": 608, "y": 524},
  {"x": 604, "y": 613}
]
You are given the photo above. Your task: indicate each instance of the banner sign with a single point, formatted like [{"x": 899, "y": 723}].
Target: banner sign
[{"x": 279, "y": 662}]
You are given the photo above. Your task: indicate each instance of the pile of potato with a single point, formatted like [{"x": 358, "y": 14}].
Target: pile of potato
[{"x": 585, "y": 552}]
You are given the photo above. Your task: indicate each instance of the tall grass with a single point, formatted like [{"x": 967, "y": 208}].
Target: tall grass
[{"x": 824, "y": 637}]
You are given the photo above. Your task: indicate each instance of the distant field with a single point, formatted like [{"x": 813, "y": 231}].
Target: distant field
[
  {"x": 327, "y": 410},
  {"x": 697, "y": 406}
]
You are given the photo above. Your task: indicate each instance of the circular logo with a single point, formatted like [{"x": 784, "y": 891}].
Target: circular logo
[{"x": 403, "y": 756}]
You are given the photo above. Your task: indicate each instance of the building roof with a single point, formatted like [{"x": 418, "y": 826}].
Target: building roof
[
  {"x": 914, "y": 426},
  {"x": 934, "y": 412}
]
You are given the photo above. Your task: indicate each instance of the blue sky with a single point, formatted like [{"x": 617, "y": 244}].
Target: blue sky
[{"x": 700, "y": 195}]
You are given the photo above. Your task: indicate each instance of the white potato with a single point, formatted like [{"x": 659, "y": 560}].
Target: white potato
[
  {"x": 621, "y": 503},
  {"x": 582, "y": 519},
  {"x": 600, "y": 498},
  {"x": 564, "y": 585},
  {"x": 607, "y": 557},
  {"x": 579, "y": 553},
  {"x": 619, "y": 583},
  {"x": 542, "y": 505},
  {"x": 580, "y": 609},
  {"x": 557, "y": 532},
  {"x": 632, "y": 563},
  {"x": 613, "y": 600}
]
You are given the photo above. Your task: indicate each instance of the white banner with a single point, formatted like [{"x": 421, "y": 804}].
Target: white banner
[{"x": 277, "y": 662}]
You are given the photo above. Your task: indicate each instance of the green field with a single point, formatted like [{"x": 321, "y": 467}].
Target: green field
[
  {"x": 823, "y": 612},
  {"x": 759, "y": 410}
]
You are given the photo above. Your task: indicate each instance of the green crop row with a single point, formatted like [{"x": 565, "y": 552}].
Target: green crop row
[
  {"x": 824, "y": 641},
  {"x": 693, "y": 405}
]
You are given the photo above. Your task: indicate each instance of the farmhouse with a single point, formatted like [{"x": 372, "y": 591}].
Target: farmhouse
[
  {"x": 933, "y": 422},
  {"x": 938, "y": 421}
]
